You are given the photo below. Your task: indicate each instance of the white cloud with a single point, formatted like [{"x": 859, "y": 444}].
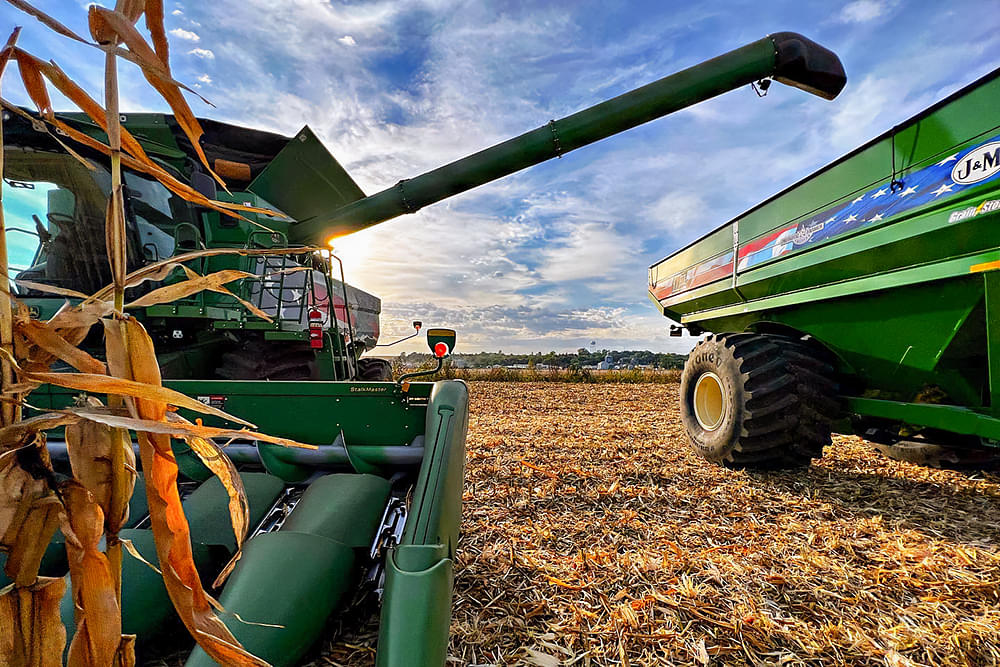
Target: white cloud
[
  {"x": 862, "y": 11},
  {"x": 205, "y": 79},
  {"x": 181, "y": 33},
  {"x": 177, "y": 12},
  {"x": 679, "y": 210},
  {"x": 347, "y": 40},
  {"x": 202, "y": 53}
]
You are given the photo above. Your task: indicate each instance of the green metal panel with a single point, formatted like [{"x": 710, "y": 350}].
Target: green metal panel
[
  {"x": 152, "y": 129},
  {"x": 311, "y": 412},
  {"x": 287, "y": 579},
  {"x": 991, "y": 280},
  {"x": 769, "y": 306},
  {"x": 437, "y": 499},
  {"x": 416, "y": 612},
  {"x": 690, "y": 257},
  {"x": 944, "y": 417},
  {"x": 207, "y": 508},
  {"x": 345, "y": 508},
  {"x": 304, "y": 180},
  {"x": 897, "y": 342},
  {"x": 138, "y": 507}
]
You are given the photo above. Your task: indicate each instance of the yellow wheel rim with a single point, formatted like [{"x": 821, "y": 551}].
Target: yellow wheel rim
[{"x": 709, "y": 401}]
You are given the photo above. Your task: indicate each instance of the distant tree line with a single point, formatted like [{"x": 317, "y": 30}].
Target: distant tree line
[{"x": 567, "y": 360}]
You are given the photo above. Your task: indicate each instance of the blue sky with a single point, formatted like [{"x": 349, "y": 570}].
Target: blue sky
[{"x": 554, "y": 257}]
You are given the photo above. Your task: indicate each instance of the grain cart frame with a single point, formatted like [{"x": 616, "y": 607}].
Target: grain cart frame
[
  {"x": 377, "y": 505},
  {"x": 864, "y": 299}
]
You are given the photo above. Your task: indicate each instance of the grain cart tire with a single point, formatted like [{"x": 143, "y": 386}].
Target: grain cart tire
[
  {"x": 945, "y": 457},
  {"x": 371, "y": 369},
  {"x": 757, "y": 401}
]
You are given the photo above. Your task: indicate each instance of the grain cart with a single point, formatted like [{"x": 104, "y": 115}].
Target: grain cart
[
  {"x": 372, "y": 515},
  {"x": 863, "y": 299}
]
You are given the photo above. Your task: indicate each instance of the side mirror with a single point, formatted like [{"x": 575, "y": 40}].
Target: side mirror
[{"x": 441, "y": 342}]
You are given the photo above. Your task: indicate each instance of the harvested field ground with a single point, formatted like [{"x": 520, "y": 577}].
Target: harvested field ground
[{"x": 591, "y": 535}]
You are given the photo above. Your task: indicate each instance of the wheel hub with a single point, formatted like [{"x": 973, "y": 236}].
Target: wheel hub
[{"x": 709, "y": 401}]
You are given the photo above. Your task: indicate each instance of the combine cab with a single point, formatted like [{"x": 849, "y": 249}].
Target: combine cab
[
  {"x": 56, "y": 209},
  {"x": 864, "y": 299}
]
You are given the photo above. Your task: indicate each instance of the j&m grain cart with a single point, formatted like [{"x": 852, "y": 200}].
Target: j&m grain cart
[{"x": 863, "y": 299}]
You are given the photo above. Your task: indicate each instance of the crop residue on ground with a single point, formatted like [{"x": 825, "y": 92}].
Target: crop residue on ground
[{"x": 591, "y": 535}]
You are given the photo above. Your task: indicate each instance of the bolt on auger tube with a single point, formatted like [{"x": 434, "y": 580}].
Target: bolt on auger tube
[{"x": 787, "y": 57}]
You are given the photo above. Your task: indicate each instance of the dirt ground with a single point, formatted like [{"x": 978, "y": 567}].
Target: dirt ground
[{"x": 592, "y": 535}]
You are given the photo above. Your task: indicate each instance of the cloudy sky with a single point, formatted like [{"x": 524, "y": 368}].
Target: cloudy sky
[{"x": 554, "y": 257}]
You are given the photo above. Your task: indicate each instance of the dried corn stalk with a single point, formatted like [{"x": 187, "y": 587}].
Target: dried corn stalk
[{"x": 93, "y": 505}]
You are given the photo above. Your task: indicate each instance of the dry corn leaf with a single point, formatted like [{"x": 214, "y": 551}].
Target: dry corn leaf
[
  {"x": 123, "y": 53},
  {"x": 131, "y": 9},
  {"x": 42, "y": 335},
  {"x": 105, "y": 384},
  {"x": 8, "y": 49},
  {"x": 126, "y": 652},
  {"x": 22, "y": 431},
  {"x": 51, "y": 289},
  {"x": 90, "y": 446},
  {"x": 222, "y": 290},
  {"x": 65, "y": 85},
  {"x": 65, "y": 330},
  {"x": 157, "y": 33},
  {"x": 31, "y": 633},
  {"x": 47, "y": 20},
  {"x": 170, "y": 527},
  {"x": 540, "y": 659},
  {"x": 106, "y": 23},
  {"x": 73, "y": 322},
  {"x": 175, "y": 426},
  {"x": 31, "y": 77},
  {"x": 239, "y": 507},
  {"x": 98, "y": 616},
  {"x": 194, "y": 284},
  {"x": 29, "y": 510},
  {"x": 173, "y": 547},
  {"x": 163, "y": 268}
]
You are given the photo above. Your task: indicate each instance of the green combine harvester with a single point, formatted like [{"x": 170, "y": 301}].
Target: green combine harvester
[
  {"x": 864, "y": 299},
  {"x": 370, "y": 519}
]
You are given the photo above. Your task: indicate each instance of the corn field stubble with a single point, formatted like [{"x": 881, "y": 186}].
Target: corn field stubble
[{"x": 592, "y": 535}]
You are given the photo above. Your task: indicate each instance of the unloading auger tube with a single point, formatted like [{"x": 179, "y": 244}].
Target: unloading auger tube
[{"x": 784, "y": 56}]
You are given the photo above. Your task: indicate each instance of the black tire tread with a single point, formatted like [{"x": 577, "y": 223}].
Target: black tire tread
[
  {"x": 373, "y": 369},
  {"x": 788, "y": 404},
  {"x": 258, "y": 359}
]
